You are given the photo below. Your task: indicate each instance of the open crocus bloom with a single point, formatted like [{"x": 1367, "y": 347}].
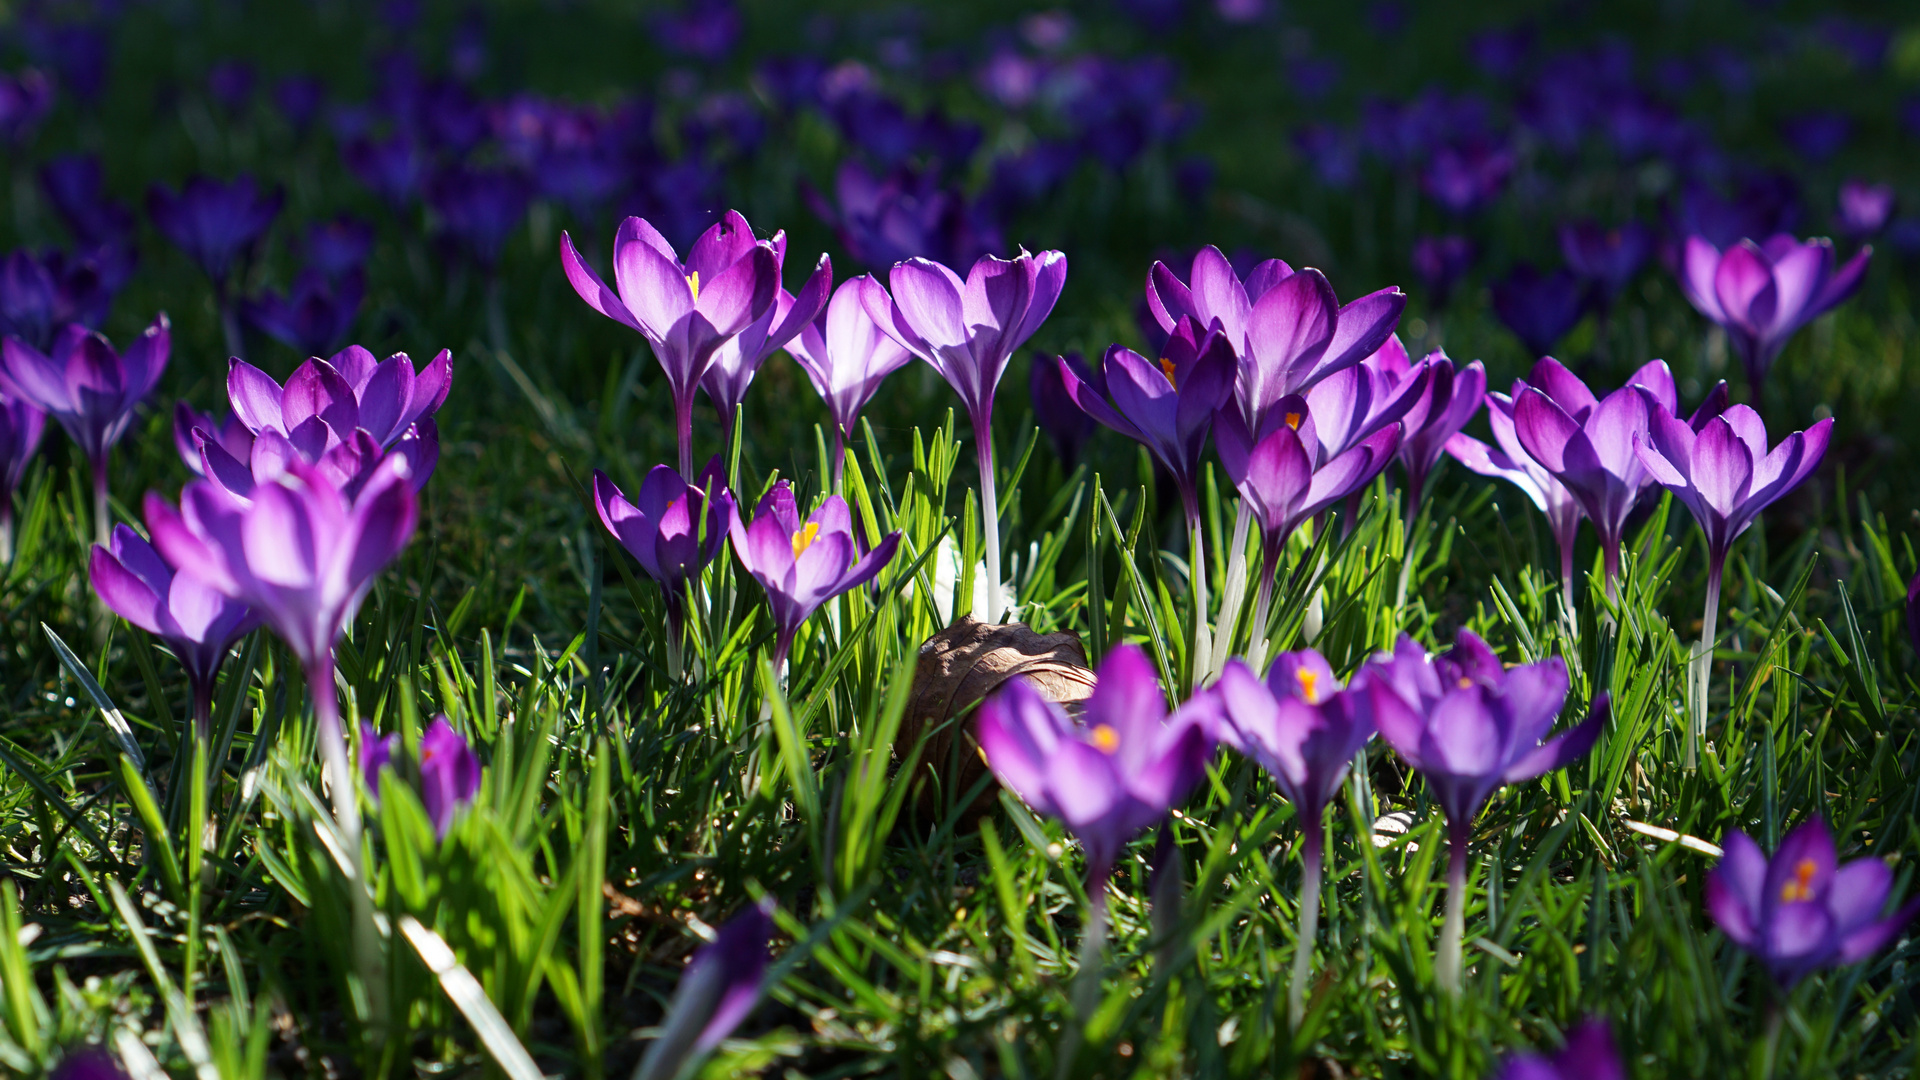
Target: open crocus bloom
[
  {"x": 1111, "y": 776},
  {"x": 803, "y": 564},
  {"x": 1725, "y": 474},
  {"x": 84, "y": 384},
  {"x": 663, "y": 529},
  {"x": 739, "y": 357},
  {"x": 1444, "y": 399},
  {"x": 1762, "y": 293},
  {"x": 1801, "y": 910},
  {"x": 1299, "y": 724}
]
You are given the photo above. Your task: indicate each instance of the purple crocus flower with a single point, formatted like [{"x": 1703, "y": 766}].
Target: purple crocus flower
[
  {"x": 230, "y": 83},
  {"x": 738, "y": 358},
  {"x": 1440, "y": 262},
  {"x": 1588, "y": 1055},
  {"x": 25, "y": 99},
  {"x": 39, "y": 294},
  {"x": 1466, "y": 177},
  {"x": 1800, "y": 910},
  {"x": 1110, "y": 776},
  {"x": 1508, "y": 460},
  {"x": 1442, "y": 405},
  {"x": 1053, "y": 406},
  {"x": 376, "y": 753},
  {"x": 76, "y": 186},
  {"x": 303, "y": 556},
  {"x": 313, "y": 316},
  {"x": 196, "y": 622},
  {"x": 1724, "y": 474},
  {"x": 907, "y": 214},
  {"x": 1761, "y": 294},
  {"x": 968, "y": 330},
  {"x": 846, "y": 355},
  {"x": 350, "y": 390},
  {"x": 338, "y": 247},
  {"x": 1540, "y": 310},
  {"x": 1607, "y": 257},
  {"x": 1865, "y": 208},
  {"x": 719, "y": 988},
  {"x": 299, "y": 97},
  {"x": 216, "y": 224},
  {"x": 1471, "y": 726},
  {"x": 1588, "y": 444},
  {"x": 803, "y": 564},
  {"x": 190, "y": 425},
  {"x": 21, "y": 425},
  {"x": 90, "y": 389},
  {"x": 1304, "y": 730},
  {"x": 449, "y": 773},
  {"x": 394, "y": 169},
  {"x": 686, "y": 311},
  {"x": 87, "y": 1063},
  {"x": 673, "y": 530}
]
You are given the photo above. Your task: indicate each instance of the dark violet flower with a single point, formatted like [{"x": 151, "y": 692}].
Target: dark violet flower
[
  {"x": 686, "y": 311},
  {"x": 1167, "y": 406},
  {"x": 703, "y": 31},
  {"x": 218, "y": 225},
  {"x": 87, "y": 1063},
  {"x": 338, "y": 247},
  {"x": 672, "y": 530},
  {"x": 75, "y": 186},
  {"x": 1333, "y": 152},
  {"x": 846, "y": 355},
  {"x": 1588, "y": 1055},
  {"x": 803, "y": 564},
  {"x": 1761, "y": 294},
  {"x": 1066, "y": 424},
  {"x": 376, "y": 753},
  {"x": 1587, "y": 443},
  {"x": 314, "y": 316},
  {"x": 299, "y": 97},
  {"x": 1817, "y": 135},
  {"x": 90, "y": 389},
  {"x": 1470, "y": 726},
  {"x": 1466, "y": 177},
  {"x": 41, "y": 294},
  {"x": 1442, "y": 405},
  {"x": 449, "y": 773},
  {"x": 1865, "y": 208},
  {"x": 1607, "y": 257},
  {"x": 1440, "y": 262},
  {"x": 230, "y": 83},
  {"x": 76, "y": 51},
  {"x": 718, "y": 989},
  {"x": 738, "y": 358},
  {"x": 1109, "y": 776},
  {"x": 912, "y": 214},
  {"x": 968, "y": 330},
  {"x": 197, "y": 623},
  {"x": 1800, "y": 910},
  {"x": 1304, "y": 729},
  {"x": 1763, "y": 206},
  {"x": 1287, "y": 328},
  {"x": 1508, "y": 460},
  {"x": 1913, "y": 614},
  {"x": 21, "y": 425},
  {"x": 25, "y": 99},
  {"x": 394, "y": 169},
  {"x": 479, "y": 209},
  {"x": 1540, "y": 310}
]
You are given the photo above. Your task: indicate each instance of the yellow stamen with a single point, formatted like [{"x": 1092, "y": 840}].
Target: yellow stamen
[
  {"x": 1466, "y": 683},
  {"x": 804, "y": 539},
  {"x": 1293, "y": 420},
  {"x": 1104, "y": 738},
  {"x": 693, "y": 282},
  {"x": 1801, "y": 887},
  {"x": 1309, "y": 685},
  {"x": 1166, "y": 366}
]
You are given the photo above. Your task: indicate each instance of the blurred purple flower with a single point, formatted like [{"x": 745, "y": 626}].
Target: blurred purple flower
[
  {"x": 1588, "y": 1055},
  {"x": 299, "y": 97},
  {"x": 717, "y": 990},
  {"x": 1607, "y": 257},
  {"x": 394, "y": 169},
  {"x": 1066, "y": 424},
  {"x": 703, "y": 30},
  {"x": 75, "y": 186},
  {"x": 1114, "y": 773},
  {"x": 230, "y": 83},
  {"x": 449, "y": 773},
  {"x": 803, "y": 564},
  {"x": 685, "y": 311},
  {"x": 1762, "y": 294},
  {"x": 1500, "y": 54},
  {"x": 1440, "y": 262},
  {"x": 479, "y": 210},
  {"x": 1333, "y": 152},
  {"x": 1801, "y": 910},
  {"x": 76, "y": 51},
  {"x": 1540, "y": 310},
  {"x": 197, "y": 623},
  {"x": 1817, "y": 135},
  {"x": 1466, "y": 177},
  {"x": 1764, "y": 206},
  {"x": 314, "y": 316},
  {"x": 41, "y": 294},
  {"x": 1913, "y": 611},
  {"x": 906, "y": 215},
  {"x": 846, "y": 355},
  {"x": 25, "y": 99},
  {"x": 218, "y": 225},
  {"x": 1314, "y": 77},
  {"x": 336, "y": 248},
  {"x": 87, "y": 1063},
  {"x": 1864, "y": 208}
]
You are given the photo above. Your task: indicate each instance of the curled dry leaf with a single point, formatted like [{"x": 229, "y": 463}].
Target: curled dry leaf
[{"x": 963, "y": 665}]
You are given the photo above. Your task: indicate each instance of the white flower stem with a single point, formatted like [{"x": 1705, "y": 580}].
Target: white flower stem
[
  {"x": 1310, "y": 859},
  {"x": 1234, "y": 595},
  {"x": 1700, "y": 669},
  {"x": 1197, "y": 565}
]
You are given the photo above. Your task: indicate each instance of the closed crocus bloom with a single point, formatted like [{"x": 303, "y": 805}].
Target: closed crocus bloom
[
  {"x": 846, "y": 355},
  {"x": 718, "y": 989},
  {"x": 1304, "y": 729},
  {"x": 449, "y": 773},
  {"x": 1471, "y": 726},
  {"x": 1113, "y": 774},
  {"x": 21, "y": 425},
  {"x": 1801, "y": 910},
  {"x": 376, "y": 753},
  {"x": 1725, "y": 474},
  {"x": 1588, "y": 1055},
  {"x": 198, "y": 623},
  {"x": 1286, "y": 327},
  {"x": 90, "y": 389},
  {"x": 686, "y": 311},
  {"x": 803, "y": 564},
  {"x": 1441, "y": 406},
  {"x": 967, "y": 330},
  {"x": 738, "y": 358},
  {"x": 216, "y": 224},
  {"x": 672, "y": 529},
  {"x": 1761, "y": 294},
  {"x": 1508, "y": 460}
]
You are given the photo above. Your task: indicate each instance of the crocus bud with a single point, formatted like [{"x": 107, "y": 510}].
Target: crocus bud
[{"x": 720, "y": 986}]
